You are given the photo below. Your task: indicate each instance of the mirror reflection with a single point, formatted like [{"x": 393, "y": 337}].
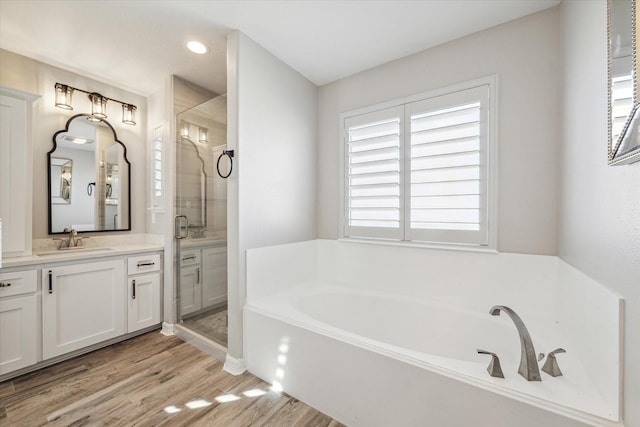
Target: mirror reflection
[
  {"x": 624, "y": 140},
  {"x": 192, "y": 187},
  {"x": 61, "y": 180},
  {"x": 89, "y": 154}
]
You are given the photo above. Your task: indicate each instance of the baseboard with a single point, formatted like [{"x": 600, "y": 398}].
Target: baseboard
[
  {"x": 234, "y": 366},
  {"x": 168, "y": 329}
]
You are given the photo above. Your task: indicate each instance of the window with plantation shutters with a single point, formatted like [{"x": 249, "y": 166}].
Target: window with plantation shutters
[{"x": 419, "y": 171}]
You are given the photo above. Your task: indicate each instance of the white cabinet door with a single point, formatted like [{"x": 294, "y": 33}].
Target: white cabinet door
[
  {"x": 16, "y": 175},
  {"x": 214, "y": 276},
  {"x": 18, "y": 333},
  {"x": 144, "y": 301},
  {"x": 82, "y": 304},
  {"x": 190, "y": 289}
]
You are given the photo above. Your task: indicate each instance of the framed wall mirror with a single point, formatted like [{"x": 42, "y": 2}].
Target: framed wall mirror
[
  {"x": 624, "y": 99},
  {"x": 89, "y": 178}
]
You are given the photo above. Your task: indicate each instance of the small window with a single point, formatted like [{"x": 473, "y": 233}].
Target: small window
[
  {"x": 419, "y": 171},
  {"x": 156, "y": 169}
]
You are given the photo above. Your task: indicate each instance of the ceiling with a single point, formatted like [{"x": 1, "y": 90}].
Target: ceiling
[{"x": 135, "y": 44}]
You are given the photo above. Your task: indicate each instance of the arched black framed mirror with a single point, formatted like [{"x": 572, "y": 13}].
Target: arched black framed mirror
[{"x": 100, "y": 197}]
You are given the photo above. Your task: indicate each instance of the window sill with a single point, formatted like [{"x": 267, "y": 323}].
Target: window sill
[{"x": 425, "y": 245}]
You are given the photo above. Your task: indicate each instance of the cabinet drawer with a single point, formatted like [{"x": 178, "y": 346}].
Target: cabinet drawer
[
  {"x": 18, "y": 282},
  {"x": 190, "y": 257},
  {"x": 143, "y": 263}
]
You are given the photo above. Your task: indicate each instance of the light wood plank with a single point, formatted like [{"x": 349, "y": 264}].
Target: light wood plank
[{"x": 132, "y": 382}]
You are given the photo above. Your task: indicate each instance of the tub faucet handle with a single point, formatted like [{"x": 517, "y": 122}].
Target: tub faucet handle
[
  {"x": 551, "y": 364},
  {"x": 494, "y": 368}
]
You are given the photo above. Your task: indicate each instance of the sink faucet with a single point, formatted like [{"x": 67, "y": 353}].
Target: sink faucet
[
  {"x": 528, "y": 362},
  {"x": 72, "y": 242}
]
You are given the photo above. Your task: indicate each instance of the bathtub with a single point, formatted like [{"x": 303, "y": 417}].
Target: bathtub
[{"x": 329, "y": 324}]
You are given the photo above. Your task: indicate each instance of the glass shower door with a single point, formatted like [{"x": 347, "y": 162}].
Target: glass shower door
[{"x": 201, "y": 223}]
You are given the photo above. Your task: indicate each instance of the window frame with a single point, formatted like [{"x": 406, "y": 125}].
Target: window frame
[{"x": 490, "y": 185}]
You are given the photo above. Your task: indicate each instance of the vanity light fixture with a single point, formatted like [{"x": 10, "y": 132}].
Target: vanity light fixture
[
  {"x": 129, "y": 114},
  {"x": 202, "y": 135},
  {"x": 184, "y": 129},
  {"x": 63, "y": 96},
  {"x": 98, "y": 107},
  {"x": 98, "y": 104}
]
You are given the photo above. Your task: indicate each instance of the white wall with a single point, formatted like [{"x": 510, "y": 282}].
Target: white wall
[
  {"x": 524, "y": 55},
  {"x": 28, "y": 75},
  {"x": 272, "y": 113},
  {"x": 599, "y": 212}
]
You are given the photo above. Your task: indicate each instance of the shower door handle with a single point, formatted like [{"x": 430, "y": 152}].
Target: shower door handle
[{"x": 178, "y": 228}]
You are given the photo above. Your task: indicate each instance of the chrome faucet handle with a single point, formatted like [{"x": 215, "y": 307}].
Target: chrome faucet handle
[
  {"x": 551, "y": 364},
  {"x": 63, "y": 243},
  {"x": 494, "y": 368}
]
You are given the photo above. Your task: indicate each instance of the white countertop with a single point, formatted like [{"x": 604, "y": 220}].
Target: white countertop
[
  {"x": 201, "y": 242},
  {"x": 55, "y": 256}
]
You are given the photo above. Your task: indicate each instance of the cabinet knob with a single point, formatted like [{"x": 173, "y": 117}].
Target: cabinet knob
[{"x": 4, "y": 284}]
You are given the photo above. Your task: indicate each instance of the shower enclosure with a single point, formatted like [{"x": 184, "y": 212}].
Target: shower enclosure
[{"x": 201, "y": 220}]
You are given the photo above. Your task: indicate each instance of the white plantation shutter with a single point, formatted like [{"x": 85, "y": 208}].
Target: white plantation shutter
[
  {"x": 419, "y": 171},
  {"x": 447, "y": 159},
  {"x": 373, "y": 184}
]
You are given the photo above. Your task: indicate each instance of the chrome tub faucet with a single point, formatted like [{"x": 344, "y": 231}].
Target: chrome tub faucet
[{"x": 528, "y": 361}]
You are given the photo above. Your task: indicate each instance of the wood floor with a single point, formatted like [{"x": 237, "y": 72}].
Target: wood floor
[{"x": 138, "y": 382}]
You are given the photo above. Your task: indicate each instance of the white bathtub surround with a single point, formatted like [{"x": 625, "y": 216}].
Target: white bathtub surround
[{"x": 377, "y": 335}]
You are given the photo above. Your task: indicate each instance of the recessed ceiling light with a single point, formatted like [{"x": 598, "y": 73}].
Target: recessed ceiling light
[{"x": 197, "y": 47}]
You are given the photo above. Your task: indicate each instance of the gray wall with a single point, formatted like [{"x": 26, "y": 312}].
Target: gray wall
[
  {"x": 29, "y": 75},
  {"x": 272, "y": 113},
  {"x": 599, "y": 211},
  {"x": 524, "y": 55}
]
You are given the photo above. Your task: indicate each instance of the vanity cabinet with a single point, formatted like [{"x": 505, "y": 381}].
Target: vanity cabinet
[
  {"x": 18, "y": 320},
  {"x": 55, "y": 308},
  {"x": 190, "y": 284},
  {"x": 82, "y": 304},
  {"x": 143, "y": 292},
  {"x": 203, "y": 278},
  {"x": 214, "y": 276}
]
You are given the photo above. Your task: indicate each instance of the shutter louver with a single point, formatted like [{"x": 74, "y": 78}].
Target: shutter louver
[{"x": 373, "y": 174}]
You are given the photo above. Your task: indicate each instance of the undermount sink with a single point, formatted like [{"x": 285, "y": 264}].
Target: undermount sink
[{"x": 69, "y": 250}]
